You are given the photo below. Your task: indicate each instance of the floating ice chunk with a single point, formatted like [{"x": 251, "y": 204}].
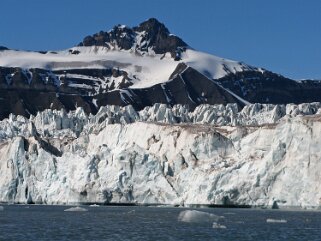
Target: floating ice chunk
[
  {"x": 239, "y": 222},
  {"x": 94, "y": 205},
  {"x": 218, "y": 226},
  {"x": 76, "y": 209},
  {"x": 193, "y": 216},
  {"x": 271, "y": 220},
  {"x": 1, "y": 208}
]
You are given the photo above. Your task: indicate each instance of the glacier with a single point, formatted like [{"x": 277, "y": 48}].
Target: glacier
[{"x": 262, "y": 155}]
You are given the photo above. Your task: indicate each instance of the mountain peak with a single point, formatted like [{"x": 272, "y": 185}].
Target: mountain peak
[
  {"x": 150, "y": 35},
  {"x": 152, "y": 25}
]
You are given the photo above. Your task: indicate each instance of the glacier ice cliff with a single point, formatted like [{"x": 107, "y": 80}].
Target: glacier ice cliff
[{"x": 262, "y": 155}]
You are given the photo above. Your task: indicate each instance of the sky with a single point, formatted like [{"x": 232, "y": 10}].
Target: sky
[{"x": 283, "y": 36}]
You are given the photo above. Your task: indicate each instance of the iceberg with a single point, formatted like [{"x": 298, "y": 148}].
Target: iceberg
[
  {"x": 272, "y": 220},
  {"x": 194, "y": 216},
  {"x": 218, "y": 226},
  {"x": 76, "y": 209}
]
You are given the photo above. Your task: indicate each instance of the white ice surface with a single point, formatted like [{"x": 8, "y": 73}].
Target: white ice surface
[{"x": 210, "y": 65}]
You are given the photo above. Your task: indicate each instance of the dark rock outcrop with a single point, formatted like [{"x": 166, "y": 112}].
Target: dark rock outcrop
[
  {"x": 268, "y": 87},
  {"x": 153, "y": 34},
  {"x": 189, "y": 88},
  {"x": 3, "y": 48},
  {"x": 159, "y": 38},
  {"x": 25, "y": 92}
]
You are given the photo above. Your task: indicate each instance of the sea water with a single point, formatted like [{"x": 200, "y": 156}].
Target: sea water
[{"x": 33, "y": 222}]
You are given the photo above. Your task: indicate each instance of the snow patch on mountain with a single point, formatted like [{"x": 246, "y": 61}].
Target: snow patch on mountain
[
  {"x": 212, "y": 66},
  {"x": 143, "y": 70}
]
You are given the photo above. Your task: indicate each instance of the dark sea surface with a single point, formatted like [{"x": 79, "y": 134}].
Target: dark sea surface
[{"x": 33, "y": 222}]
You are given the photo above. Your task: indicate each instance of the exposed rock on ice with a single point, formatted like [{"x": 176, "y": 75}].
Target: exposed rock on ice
[{"x": 261, "y": 155}]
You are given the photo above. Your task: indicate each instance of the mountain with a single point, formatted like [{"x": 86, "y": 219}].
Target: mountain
[{"x": 140, "y": 66}]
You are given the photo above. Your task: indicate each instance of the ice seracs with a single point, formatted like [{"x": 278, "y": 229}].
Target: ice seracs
[{"x": 60, "y": 123}]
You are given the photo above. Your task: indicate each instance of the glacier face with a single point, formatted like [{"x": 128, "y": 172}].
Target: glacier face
[{"x": 261, "y": 155}]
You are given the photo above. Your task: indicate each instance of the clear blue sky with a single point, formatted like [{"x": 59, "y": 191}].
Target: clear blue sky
[{"x": 283, "y": 36}]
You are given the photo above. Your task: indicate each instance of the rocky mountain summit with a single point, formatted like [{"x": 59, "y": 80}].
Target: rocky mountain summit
[{"x": 150, "y": 35}]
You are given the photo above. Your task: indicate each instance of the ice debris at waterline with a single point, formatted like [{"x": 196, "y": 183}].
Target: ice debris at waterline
[
  {"x": 260, "y": 155},
  {"x": 271, "y": 220},
  {"x": 194, "y": 216},
  {"x": 76, "y": 209},
  {"x": 218, "y": 226}
]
